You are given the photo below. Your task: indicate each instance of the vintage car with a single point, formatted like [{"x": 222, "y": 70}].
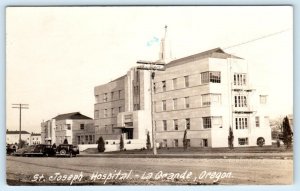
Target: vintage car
[
  {"x": 41, "y": 150},
  {"x": 67, "y": 150},
  {"x": 22, "y": 151}
]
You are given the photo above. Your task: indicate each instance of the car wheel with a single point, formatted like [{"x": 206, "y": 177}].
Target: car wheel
[{"x": 62, "y": 152}]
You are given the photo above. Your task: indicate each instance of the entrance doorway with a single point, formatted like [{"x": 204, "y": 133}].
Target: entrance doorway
[{"x": 128, "y": 132}]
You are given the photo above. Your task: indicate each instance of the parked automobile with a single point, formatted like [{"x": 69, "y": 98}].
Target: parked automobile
[
  {"x": 11, "y": 149},
  {"x": 67, "y": 150},
  {"x": 22, "y": 151},
  {"x": 41, "y": 150}
]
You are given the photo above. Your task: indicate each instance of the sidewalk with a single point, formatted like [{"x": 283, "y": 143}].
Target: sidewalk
[{"x": 288, "y": 155}]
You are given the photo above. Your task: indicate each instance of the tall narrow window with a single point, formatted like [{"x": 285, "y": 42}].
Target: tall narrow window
[
  {"x": 82, "y": 126},
  {"x": 120, "y": 109},
  {"x": 206, "y": 122},
  {"x": 96, "y": 114},
  {"x": 175, "y": 124},
  {"x": 105, "y": 112},
  {"x": 164, "y": 86},
  {"x": 241, "y": 122},
  {"x": 186, "y": 81},
  {"x": 105, "y": 97},
  {"x": 112, "y": 112},
  {"x": 187, "y": 102},
  {"x": 164, "y": 105},
  {"x": 176, "y": 142},
  {"x": 175, "y": 83},
  {"x": 257, "y": 121},
  {"x": 119, "y": 94},
  {"x": 175, "y": 103},
  {"x": 112, "y": 95},
  {"x": 165, "y": 125},
  {"x": 188, "y": 123}
]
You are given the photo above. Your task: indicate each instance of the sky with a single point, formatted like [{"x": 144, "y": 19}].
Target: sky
[{"x": 55, "y": 56}]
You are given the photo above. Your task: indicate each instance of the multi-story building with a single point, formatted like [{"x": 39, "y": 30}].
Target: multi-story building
[
  {"x": 74, "y": 127},
  {"x": 123, "y": 107},
  {"x": 205, "y": 94}
]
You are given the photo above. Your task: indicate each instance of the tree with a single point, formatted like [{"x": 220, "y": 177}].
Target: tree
[
  {"x": 230, "y": 138},
  {"x": 185, "y": 143},
  {"x": 101, "y": 145},
  {"x": 148, "y": 143},
  {"x": 121, "y": 143},
  {"x": 287, "y": 133},
  {"x": 66, "y": 141}
]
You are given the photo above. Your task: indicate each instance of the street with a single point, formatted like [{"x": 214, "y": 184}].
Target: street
[{"x": 142, "y": 171}]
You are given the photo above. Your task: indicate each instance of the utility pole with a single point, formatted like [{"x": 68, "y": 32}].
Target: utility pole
[
  {"x": 152, "y": 67},
  {"x": 20, "y": 106}
]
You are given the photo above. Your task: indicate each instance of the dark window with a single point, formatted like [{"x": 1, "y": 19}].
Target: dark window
[{"x": 81, "y": 126}]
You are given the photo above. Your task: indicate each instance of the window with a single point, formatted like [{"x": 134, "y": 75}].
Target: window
[
  {"x": 119, "y": 94},
  {"x": 175, "y": 83},
  {"x": 136, "y": 107},
  {"x": 176, "y": 142},
  {"x": 206, "y": 122},
  {"x": 78, "y": 140},
  {"x": 240, "y": 101},
  {"x": 91, "y": 138},
  {"x": 120, "y": 109},
  {"x": 105, "y": 112},
  {"x": 112, "y": 112},
  {"x": 186, "y": 81},
  {"x": 86, "y": 138},
  {"x": 211, "y": 99},
  {"x": 165, "y": 143},
  {"x": 217, "y": 122},
  {"x": 204, "y": 143},
  {"x": 96, "y": 98},
  {"x": 214, "y": 77},
  {"x": 187, "y": 102},
  {"x": 165, "y": 125},
  {"x": 187, "y": 123},
  {"x": 154, "y": 87},
  {"x": 239, "y": 79},
  {"x": 243, "y": 141},
  {"x": 164, "y": 104},
  {"x": 241, "y": 123},
  {"x": 175, "y": 124},
  {"x": 112, "y": 95},
  {"x": 69, "y": 126},
  {"x": 257, "y": 121},
  {"x": 164, "y": 85},
  {"x": 105, "y": 97},
  {"x": 81, "y": 126},
  {"x": 175, "y": 103},
  {"x": 96, "y": 114},
  {"x": 263, "y": 99}
]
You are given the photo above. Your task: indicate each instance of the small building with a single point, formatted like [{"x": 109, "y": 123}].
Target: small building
[
  {"x": 12, "y": 137},
  {"x": 35, "y": 138},
  {"x": 73, "y": 127}
]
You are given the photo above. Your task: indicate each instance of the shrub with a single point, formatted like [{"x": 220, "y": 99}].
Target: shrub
[
  {"x": 66, "y": 141},
  {"x": 101, "y": 145},
  {"x": 287, "y": 133},
  {"x": 260, "y": 141},
  {"x": 148, "y": 143},
  {"x": 230, "y": 138},
  {"x": 121, "y": 143}
]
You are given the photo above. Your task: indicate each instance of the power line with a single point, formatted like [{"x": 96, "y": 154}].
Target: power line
[{"x": 259, "y": 38}]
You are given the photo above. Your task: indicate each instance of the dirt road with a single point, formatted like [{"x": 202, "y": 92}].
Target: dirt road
[{"x": 161, "y": 171}]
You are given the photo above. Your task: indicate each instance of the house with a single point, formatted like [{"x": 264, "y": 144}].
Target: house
[
  {"x": 35, "y": 138},
  {"x": 73, "y": 127},
  {"x": 12, "y": 137}
]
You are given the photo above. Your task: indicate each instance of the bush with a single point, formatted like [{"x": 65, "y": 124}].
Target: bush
[
  {"x": 148, "y": 143},
  {"x": 66, "y": 141},
  {"x": 287, "y": 133},
  {"x": 121, "y": 143},
  {"x": 101, "y": 145},
  {"x": 260, "y": 141},
  {"x": 278, "y": 143}
]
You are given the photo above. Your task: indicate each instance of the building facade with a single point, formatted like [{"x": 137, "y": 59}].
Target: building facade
[
  {"x": 123, "y": 107},
  {"x": 35, "y": 138},
  {"x": 205, "y": 94},
  {"x": 12, "y": 137},
  {"x": 74, "y": 127}
]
